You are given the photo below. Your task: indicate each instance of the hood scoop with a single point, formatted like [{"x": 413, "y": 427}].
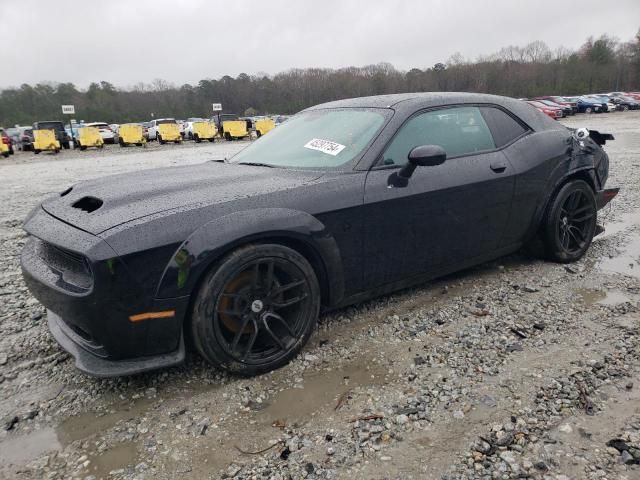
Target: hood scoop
[{"x": 88, "y": 204}]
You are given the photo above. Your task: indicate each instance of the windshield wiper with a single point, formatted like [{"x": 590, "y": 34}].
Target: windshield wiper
[{"x": 256, "y": 164}]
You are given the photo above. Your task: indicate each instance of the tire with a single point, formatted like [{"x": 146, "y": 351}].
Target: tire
[
  {"x": 5, "y": 154},
  {"x": 65, "y": 145},
  {"x": 82, "y": 147},
  {"x": 11, "y": 152},
  {"x": 227, "y": 136},
  {"x": 160, "y": 141},
  {"x": 258, "y": 133},
  {"x": 570, "y": 222},
  {"x": 138, "y": 144},
  {"x": 235, "y": 323},
  {"x": 121, "y": 143},
  {"x": 197, "y": 138},
  {"x": 588, "y": 110},
  {"x": 625, "y": 108},
  {"x": 36, "y": 151},
  {"x": 212, "y": 139}
]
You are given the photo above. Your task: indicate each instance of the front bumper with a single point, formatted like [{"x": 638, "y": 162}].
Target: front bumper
[
  {"x": 103, "y": 367},
  {"x": 95, "y": 299}
]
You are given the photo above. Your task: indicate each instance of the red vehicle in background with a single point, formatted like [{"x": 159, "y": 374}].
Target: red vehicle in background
[
  {"x": 552, "y": 112},
  {"x": 561, "y": 101},
  {"x": 6, "y": 139}
]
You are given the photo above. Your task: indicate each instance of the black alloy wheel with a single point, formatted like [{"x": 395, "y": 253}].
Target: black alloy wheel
[
  {"x": 571, "y": 222},
  {"x": 256, "y": 309}
]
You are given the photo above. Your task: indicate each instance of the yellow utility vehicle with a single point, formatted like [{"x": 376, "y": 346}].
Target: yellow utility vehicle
[
  {"x": 204, "y": 131},
  {"x": 264, "y": 125},
  {"x": 45, "y": 140},
  {"x": 232, "y": 128},
  {"x": 89, "y": 137},
  {"x": 131, "y": 134}
]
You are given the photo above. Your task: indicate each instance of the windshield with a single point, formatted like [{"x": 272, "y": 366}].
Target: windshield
[
  {"x": 165, "y": 121},
  {"x": 316, "y": 139}
]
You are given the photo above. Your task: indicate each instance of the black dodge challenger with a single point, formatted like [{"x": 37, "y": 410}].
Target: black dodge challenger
[{"x": 345, "y": 201}]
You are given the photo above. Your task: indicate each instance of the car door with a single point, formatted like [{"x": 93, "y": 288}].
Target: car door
[{"x": 448, "y": 215}]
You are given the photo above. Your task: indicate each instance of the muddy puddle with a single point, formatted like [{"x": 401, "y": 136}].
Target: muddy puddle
[
  {"x": 26, "y": 447},
  {"x": 627, "y": 262},
  {"x": 605, "y": 297},
  {"x": 120, "y": 456},
  {"x": 627, "y": 259},
  {"x": 320, "y": 392}
]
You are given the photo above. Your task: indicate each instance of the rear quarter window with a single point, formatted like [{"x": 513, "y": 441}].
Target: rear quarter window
[{"x": 504, "y": 128}]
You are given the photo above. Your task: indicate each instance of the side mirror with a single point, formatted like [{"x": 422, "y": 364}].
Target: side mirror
[{"x": 422, "y": 156}]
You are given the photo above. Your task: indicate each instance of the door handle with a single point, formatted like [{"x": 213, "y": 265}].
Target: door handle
[{"x": 498, "y": 167}]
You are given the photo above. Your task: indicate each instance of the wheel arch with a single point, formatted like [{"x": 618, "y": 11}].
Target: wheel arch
[
  {"x": 584, "y": 173},
  {"x": 297, "y": 230}
]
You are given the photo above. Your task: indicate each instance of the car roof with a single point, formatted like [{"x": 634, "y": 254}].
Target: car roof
[{"x": 407, "y": 103}]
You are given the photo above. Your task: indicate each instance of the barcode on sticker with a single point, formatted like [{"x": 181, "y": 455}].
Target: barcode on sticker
[{"x": 324, "y": 146}]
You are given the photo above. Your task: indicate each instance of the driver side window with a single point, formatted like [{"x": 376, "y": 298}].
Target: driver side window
[{"x": 459, "y": 130}]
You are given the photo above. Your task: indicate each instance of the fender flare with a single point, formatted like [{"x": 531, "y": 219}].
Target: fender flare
[
  {"x": 214, "y": 239},
  {"x": 588, "y": 171}
]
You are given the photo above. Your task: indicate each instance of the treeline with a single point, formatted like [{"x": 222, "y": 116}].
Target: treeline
[{"x": 600, "y": 65}]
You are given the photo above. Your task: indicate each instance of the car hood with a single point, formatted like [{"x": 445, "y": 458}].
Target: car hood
[{"x": 98, "y": 205}]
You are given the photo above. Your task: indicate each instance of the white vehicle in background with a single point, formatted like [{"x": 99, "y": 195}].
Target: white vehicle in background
[
  {"x": 188, "y": 126},
  {"x": 107, "y": 134},
  {"x": 154, "y": 124},
  {"x": 115, "y": 127},
  {"x": 181, "y": 126}
]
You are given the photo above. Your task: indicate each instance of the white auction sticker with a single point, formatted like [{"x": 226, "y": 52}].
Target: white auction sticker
[{"x": 324, "y": 146}]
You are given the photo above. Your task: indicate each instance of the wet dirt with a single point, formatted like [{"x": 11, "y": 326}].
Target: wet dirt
[
  {"x": 605, "y": 297},
  {"x": 320, "y": 391}
]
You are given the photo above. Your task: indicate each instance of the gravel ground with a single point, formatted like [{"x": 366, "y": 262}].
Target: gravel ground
[{"x": 517, "y": 368}]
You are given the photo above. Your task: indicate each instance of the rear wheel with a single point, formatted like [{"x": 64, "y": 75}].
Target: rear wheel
[
  {"x": 212, "y": 139},
  {"x": 256, "y": 309},
  {"x": 196, "y": 137},
  {"x": 570, "y": 222},
  {"x": 162, "y": 142}
]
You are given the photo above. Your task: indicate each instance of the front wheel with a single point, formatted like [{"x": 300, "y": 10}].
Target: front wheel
[
  {"x": 256, "y": 309},
  {"x": 570, "y": 222},
  {"x": 588, "y": 110}
]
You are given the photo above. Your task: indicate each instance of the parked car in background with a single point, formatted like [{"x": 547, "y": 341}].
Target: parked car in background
[
  {"x": 553, "y": 112},
  {"x": 106, "y": 132},
  {"x": 58, "y": 127},
  {"x": 626, "y": 103},
  {"x": 566, "y": 110},
  {"x": 562, "y": 101},
  {"x": 26, "y": 140},
  {"x": 611, "y": 107},
  {"x": 7, "y": 141},
  {"x": 155, "y": 124},
  {"x": 587, "y": 105},
  {"x": 632, "y": 95}
]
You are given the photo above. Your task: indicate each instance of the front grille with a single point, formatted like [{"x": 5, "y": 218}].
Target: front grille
[{"x": 71, "y": 268}]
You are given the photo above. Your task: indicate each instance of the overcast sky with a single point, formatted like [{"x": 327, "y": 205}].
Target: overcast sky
[{"x": 131, "y": 41}]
